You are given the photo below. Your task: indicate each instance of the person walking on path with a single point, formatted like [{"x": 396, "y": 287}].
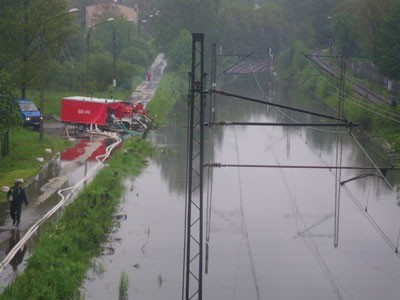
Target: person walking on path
[{"x": 15, "y": 196}]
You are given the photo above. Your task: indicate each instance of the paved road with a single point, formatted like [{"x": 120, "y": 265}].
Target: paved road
[{"x": 145, "y": 91}]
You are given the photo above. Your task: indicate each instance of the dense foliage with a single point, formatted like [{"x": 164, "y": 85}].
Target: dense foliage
[
  {"x": 9, "y": 115},
  {"x": 366, "y": 27},
  {"x": 387, "y": 46},
  {"x": 46, "y": 38},
  {"x": 25, "y": 26}
]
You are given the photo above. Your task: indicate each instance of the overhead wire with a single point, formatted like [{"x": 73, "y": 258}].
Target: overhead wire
[
  {"x": 354, "y": 199},
  {"x": 210, "y": 173},
  {"x": 374, "y": 224},
  {"x": 309, "y": 241},
  {"x": 339, "y": 152},
  {"x": 368, "y": 216},
  {"x": 396, "y": 247},
  {"x": 306, "y": 236},
  {"x": 383, "y": 177},
  {"x": 383, "y": 113},
  {"x": 245, "y": 232},
  {"x": 289, "y": 117}
]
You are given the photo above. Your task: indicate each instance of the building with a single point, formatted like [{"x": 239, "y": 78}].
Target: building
[{"x": 109, "y": 10}]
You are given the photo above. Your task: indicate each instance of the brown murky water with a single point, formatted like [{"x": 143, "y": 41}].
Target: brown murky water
[{"x": 271, "y": 231}]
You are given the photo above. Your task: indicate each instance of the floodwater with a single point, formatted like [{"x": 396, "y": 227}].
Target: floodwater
[{"x": 271, "y": 229}]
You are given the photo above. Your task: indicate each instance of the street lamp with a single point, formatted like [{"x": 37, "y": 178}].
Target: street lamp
[
  {"x": 144, "y": 21},
  {"x": 129, "y": 37},
  {"x": 42, "y": 64},
  {"x": 88, "y": 51}
]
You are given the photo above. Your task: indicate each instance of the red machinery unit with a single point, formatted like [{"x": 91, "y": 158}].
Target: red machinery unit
[
  {"x": 138, "y": 108},
  {"x": 87, "y": 110}
]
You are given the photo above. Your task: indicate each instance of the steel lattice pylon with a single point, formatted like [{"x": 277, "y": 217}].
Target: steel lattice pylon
[{"x": 193, "y": 257}]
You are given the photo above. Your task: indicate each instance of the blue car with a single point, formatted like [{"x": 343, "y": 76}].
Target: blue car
[{"x": 30, "y": 114}]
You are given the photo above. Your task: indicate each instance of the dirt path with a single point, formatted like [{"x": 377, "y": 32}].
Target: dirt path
[{"x": 145, "y": 91}]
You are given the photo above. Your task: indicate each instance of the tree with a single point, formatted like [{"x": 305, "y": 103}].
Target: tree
[
  {"x": 193, "y": 15},
  {"x": 9, "y": 114},
  {"x": 181, "y": 51},
  {"x": 369, "y": 14},
  {"x": 21, "y": 23},
  {"x": 345, "y": 32},
  {"x": 387, "y": 45}
]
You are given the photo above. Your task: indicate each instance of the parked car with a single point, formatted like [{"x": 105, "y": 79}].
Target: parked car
[{"x": 30, "y": 114}]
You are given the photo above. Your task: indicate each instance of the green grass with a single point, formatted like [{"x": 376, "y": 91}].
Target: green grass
[
  {"x": 171, "y": 88},
  {"x": 24, "y": 149},
  {"x": 123, "y": 286}
]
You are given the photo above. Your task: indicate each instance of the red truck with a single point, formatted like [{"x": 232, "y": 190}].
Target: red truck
[{"x": 82, "y": 110}]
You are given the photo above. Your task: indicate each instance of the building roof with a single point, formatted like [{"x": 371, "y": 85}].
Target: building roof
[{"x": 108, "y": 10}]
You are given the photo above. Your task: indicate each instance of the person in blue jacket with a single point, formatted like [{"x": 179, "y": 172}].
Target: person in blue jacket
[{"x": 16, "y": 196}]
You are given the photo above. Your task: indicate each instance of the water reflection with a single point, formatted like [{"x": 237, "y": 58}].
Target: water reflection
[{"x": 19, "y": 256}]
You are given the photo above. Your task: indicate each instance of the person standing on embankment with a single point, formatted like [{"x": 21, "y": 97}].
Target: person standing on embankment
[{"x": 15, "y": 196}]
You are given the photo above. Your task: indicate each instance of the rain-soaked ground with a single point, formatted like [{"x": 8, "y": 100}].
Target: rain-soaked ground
[{"x": 64, "y": 171}]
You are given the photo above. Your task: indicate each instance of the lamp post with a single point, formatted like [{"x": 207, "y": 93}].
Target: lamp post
[
  {"x": 144, "y": 21},
  {"x": 43, "y": 66},
  {"x": 114, "y": 40},
  {"x": 129, "y": 38},
  {"x": 114, "y": 63},
  {"x": 88, "y": 52},
  {"x": 330, "y": 37}
]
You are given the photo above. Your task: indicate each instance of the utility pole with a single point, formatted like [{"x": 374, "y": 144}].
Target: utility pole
[
  {"x": 114, "y": 63},
  {"x": 42, "y": 39},
  {"x": 42, "y": 80},
  {"x": 89, "y": 30},
  {"x": 271, "y": 84},
  {"x": 5, "y": 149},
  {"x": 339, "y": 148}
]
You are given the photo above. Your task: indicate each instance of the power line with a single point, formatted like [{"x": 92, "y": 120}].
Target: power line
[
  {"x": 375, "y": 108},
  {"x": 229, "y": 94},
  {"x": 225, "y": 165},
  {"x": 245, "y": 229}
]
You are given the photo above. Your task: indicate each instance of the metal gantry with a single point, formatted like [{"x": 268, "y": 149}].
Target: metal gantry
[
  {"x": 193, "y": 256},
  {"x": 193, "y": 263}
]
